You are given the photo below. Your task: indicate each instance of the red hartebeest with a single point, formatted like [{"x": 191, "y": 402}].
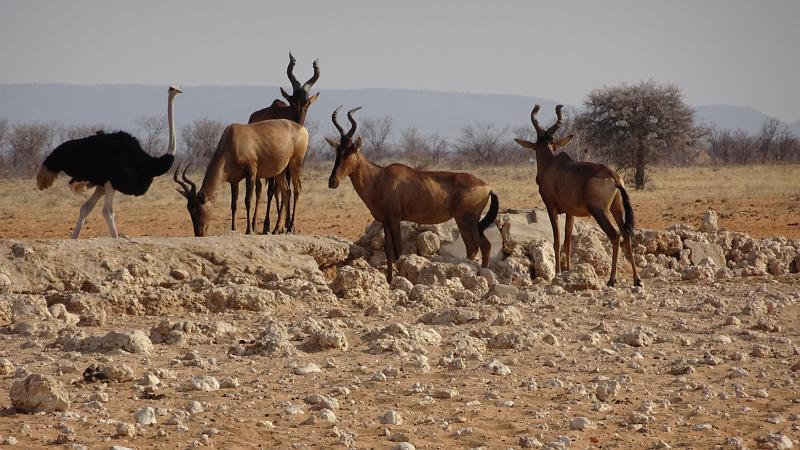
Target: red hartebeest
[
  {"x": 296, "y": 111},
  {"x": 258, "y": 150},
  {"x": 580, "y": 189},
  {"x": 398, "y": 192}
]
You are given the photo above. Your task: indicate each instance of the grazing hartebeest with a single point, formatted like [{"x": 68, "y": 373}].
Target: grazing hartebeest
[
  {"x": 580, "y": 189},
  {"x": 397, "y": 192},
  {"x": 258, "y": 150},
  {"x": 296, "y": 111}
]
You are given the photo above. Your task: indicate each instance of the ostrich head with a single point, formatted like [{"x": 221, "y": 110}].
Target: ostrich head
[
  {"x": 197, "y": 203},
  {"x": 174, "y": 90}
]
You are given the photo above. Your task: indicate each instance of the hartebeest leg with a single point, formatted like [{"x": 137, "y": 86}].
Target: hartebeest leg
[
  {"x": 467, "y": 236},
  {"x": 234, "y": 199},
  {"x": 618, "y": 213},
  {"x": 486, "y": 247},
  {"x": 270, "y": 193},
  {"x": 388, "y": 247},
  {"x": 297, "y": 186},
  {"x": 602, "y": 219},
  {"x": 283, "y": 191},
  {"x": 86, "y": 208},
  {"x": 394, "y": 226},
  {"x": 568, "y": 222},
  {"x": 551, "y": 212},
  {"x": 248, "y": 199},
  {"x": 257, "y": 201}
]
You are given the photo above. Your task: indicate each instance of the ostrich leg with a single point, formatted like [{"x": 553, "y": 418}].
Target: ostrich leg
[
  {"x": 86, "y": 208},
  {"x": 108, "y": 210}
]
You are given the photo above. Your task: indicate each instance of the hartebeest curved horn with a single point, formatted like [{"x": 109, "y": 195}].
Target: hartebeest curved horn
[
  {"x": 187, "y": 180},
  {"x": 289, "y": 68},
  {"x": 308, "y": 84},
  {"x": 559, "y": 120},
  {"x": 353, "y": 124},
  {"x": 184, "y": 186},
  {"x": 534, "y": 121},
  {"x": 335, "y": 123}
]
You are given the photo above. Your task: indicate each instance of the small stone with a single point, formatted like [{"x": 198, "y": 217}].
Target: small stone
[
  {"x": 146, "y": 416},
  {"x": 194, "y": 407},
  {"x": 38, "y": 393},
  {"x": 404, "y": 446},
  {"x": 205, "y": 383},
  {"x": 580, "y": 424},
  {"x": 125, "y": 429},
  {"x": 703, "y": 426},
  {"x": 392, "y": 417},
  {"x": 307, "y": 369}
]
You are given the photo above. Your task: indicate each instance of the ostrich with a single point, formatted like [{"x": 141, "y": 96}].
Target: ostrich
[{"x": 110, "y": 162}]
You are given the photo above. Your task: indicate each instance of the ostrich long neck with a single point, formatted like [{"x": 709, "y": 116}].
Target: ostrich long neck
[{"x": 171, "y": 119}]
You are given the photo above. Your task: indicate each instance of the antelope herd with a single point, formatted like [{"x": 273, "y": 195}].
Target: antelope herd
[{"x": 272, "y": 146}]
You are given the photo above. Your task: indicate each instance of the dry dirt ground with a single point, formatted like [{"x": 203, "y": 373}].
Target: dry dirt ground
[
  {"x": 703, "y": 357},
  {"x": 760, "y": 200}
]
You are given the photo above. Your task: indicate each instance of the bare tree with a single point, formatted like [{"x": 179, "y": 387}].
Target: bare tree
[
  {"x": 377, "y": 135},
  {"x": 743, "y": 147},
  {"x": 635, "y": 125},
  {"x": 412, "y": 144},
  {"x": 787, "y": 146},
  {"x": 483, "y": 143},
  {"x": 28, "y": 144},
  {"x": 437, "y": 148},
  {"x": 318, "y": 150},
  {"x": 152, "y": 133},
  {"x": 721, "y": 146},
  {"x": 201, "y": 138},
  {"x": 766, "y": 138}
]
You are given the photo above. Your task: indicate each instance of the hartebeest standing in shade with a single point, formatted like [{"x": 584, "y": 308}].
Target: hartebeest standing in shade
[
  {"x": 258, "y": 150},
  {"x": 296, "y": 111},
  {"x": 398, "y": 192},
  {"x": 580, "y": 189}
]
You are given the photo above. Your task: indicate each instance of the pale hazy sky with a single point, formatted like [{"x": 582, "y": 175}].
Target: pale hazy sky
[{"x": 724, "y": 51}]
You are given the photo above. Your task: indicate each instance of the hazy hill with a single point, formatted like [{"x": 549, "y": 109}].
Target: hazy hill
[{"x": 119, "y": 105}]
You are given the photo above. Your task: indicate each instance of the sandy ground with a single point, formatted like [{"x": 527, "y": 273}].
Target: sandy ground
[
  {"x": 760, "y": 200},
  {"x": 718, "y": 361}
]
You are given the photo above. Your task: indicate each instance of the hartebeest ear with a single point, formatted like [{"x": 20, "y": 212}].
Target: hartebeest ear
[
  {"x": 332, "y": 142},
  {"x": 526, "y": 144},
  {"x": 285, "y": 95},
  {"x": 357, "y": 144},
  {"x": 201, "y": 197},
  {"x": 312, "y": 99},
  {"x": 563, "y": 141}
]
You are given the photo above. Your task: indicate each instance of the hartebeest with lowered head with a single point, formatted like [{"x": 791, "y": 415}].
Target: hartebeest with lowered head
[
  {"x": 580, "y": 189},
  {"x": 258, "y": 150},
  {"x": 296, "y": 111},
  {"x": 398, "y": 192}
]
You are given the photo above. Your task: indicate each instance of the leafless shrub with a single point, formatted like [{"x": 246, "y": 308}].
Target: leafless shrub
[{"x": 201, "y": 138}]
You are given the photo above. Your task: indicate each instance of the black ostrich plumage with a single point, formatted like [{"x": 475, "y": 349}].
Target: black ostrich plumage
[{"x": 115, "y": 157}]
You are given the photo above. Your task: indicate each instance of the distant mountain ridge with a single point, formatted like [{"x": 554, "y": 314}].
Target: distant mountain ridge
[{"x": 118, "y": 106}]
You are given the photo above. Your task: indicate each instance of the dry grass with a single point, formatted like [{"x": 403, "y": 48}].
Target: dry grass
[{"x": 760, "y": 200}]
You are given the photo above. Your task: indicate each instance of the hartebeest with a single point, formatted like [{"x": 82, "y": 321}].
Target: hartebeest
[
  {"x": 296, "y": 110},
  {"x": 398, "y": 192},
  {"x": 258, "y": 150},
  {"x": 580, "y": 189}
]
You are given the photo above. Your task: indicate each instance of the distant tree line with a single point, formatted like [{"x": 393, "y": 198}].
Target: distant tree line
[{"x": 632, "y": 127}]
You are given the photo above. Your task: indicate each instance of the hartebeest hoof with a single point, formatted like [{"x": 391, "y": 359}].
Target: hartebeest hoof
[
  {"x": 637, "y": 282},
  {"x": 611, "y": 283}
]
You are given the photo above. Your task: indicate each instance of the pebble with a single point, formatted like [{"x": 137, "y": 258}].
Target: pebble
[
  {"x": 307, "y": 369},
  {"x": 146, "y": 416}
]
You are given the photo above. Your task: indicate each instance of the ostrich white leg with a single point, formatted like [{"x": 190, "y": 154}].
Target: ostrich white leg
[
  {"x": 108, "y": 210},
  {"x": 86, "y": 208}
]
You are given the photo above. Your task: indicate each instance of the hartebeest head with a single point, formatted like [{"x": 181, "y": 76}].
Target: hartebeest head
[
  {"x": 346, "y": 149},
  {"x": 545, "y": 138},
  {"x": 197, "y": 203},
  {"x": 300, "y": 99}
]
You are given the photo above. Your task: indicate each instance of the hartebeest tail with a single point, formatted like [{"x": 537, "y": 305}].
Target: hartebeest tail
[
  {"x": 491, "y": 215},
  {"x": 630, "y": 221}
]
